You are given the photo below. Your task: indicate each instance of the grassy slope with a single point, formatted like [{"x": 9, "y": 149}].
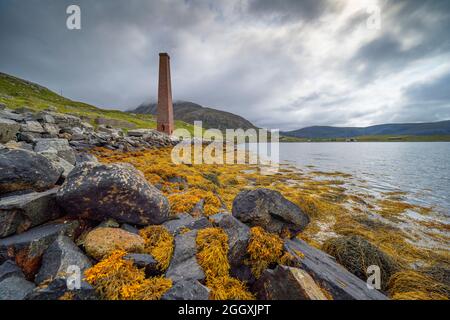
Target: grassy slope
[{"x": 16, "y": 93}]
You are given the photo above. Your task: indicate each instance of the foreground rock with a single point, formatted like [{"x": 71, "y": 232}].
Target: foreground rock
[
  {"x": 185, "y": 220},
  {"x": 59, "y": 260},
  {"x": 21, "y": 212},
  {"x": 269, "y": 209},
  {"x": 144, "y": 261},
  {"x": 15, "y": 288},
  {"x": 341, "y": 284},
  {"x": 61, "y": 146},
  {"x": 25, "y": 170},
  {"x": 184, "y": 266},
  {"x": 187, "y": 290},
  {"x": 100, "y": 242},
  {"x": 26, "y": 249},
  {"x": 286, "y": 283},
  {"x": 57, "y": 290},
  {"x": 238, "y": 238},
  {"x": 99, "y": 191}
]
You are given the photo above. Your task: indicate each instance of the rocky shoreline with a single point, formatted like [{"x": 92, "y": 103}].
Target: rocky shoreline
[{"x": 63, "y": 213}]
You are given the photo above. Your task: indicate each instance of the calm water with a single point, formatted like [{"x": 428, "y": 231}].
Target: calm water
[{"x": 420, "y": 169}]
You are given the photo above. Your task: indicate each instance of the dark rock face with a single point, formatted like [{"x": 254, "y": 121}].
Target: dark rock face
[
  {"x": 145, "y": 261},
  {"x": 27, "y": 248},
  {"x": 98, "y": 192},
  {"x": 15, "y": 288},
  {"x": 60, "y": 256},
  {"x": 25, "y": 170},
  {"x": 238, "y": 237},
  {"x": 187, "y": 290},
  {"x": 185, "y": 220},
  {"x": 269, "y": 209},
  {"x": 340, "y": 283},
  {"x": 286, "y": 283},
  {"x": 21, "y": 212},
  {"x": 57, "y": 289},
  {"x": 9, "y": 269},
  {"x": 183, "y": 265}
]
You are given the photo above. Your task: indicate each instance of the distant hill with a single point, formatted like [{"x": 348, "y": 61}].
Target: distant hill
[
  {"x": 190, "y": 112},
  {"x": 400, "y": 129}
]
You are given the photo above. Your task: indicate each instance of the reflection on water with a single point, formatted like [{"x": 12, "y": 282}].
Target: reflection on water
[{"x": 422, "y": 170}]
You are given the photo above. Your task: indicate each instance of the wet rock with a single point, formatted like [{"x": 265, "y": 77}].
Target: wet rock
[
  {"x": 8, "y": 130},
  {"x": 60, "y": 145},
  {"x": 59, "y": 260},
  {"x": 10, "y": 269},
  {"x": 57, "y": 290},
  {"x": 183, "y": 265},
  {"x": 21, "y": 212},
  {"x": 100, "y": 191},
  {"x": 25, "y": 170},
  {"x": 185, "y": 220},
  {"x": 145, "y": 261},
  {"x": 15, "y": 288},
  {"x": 27, "y": 248},
  {"x": 329, "y": 275},
  {"x": 286, "y": 283},
  {"x": 269, "y": 209},
  {"x": 187, "y": 290},
  {"x": 100, "y": 242}
]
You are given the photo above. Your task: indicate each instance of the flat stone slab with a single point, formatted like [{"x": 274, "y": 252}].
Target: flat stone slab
[{"x": 339, "y": 282}]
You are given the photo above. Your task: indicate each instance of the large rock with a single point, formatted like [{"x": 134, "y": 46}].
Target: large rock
[
  {"x": 8, "y": 130},
  {"x": 100, "y": 242},
  {"x": 27, "y": 248},
  {"x": 329, "y": 275},
  {"x": 60, "y": 145},
  {"x": 269, "y": 209},
  {"x": 22, "y": 212},
  {"x": 100, "y": 191},
  {"x": 286, "y": 283},
  {"x": 15, "y": 288},
  {"x": 59, "y": 258},
  {"x": 187, "y": 290},
  {"x": 184, "y": 266},
  {"x": 32, "y": 126},
  {"x": 25, "y": 170}
]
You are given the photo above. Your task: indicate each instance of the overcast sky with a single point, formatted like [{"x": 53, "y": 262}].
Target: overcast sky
[{"x": 280, "y": 64}]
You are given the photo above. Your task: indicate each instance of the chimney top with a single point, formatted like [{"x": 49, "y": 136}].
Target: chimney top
[{"x": 164, "y": 54}]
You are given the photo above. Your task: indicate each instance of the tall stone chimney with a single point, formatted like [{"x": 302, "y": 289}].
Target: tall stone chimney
[{"x": 165, "y": 107}]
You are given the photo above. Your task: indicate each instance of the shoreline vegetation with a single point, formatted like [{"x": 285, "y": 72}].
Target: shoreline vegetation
[{"x": 417, "y": 250}]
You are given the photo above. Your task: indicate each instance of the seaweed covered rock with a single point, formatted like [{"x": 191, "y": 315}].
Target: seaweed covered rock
[
  {"x": 286, "y": 283},
  {"x": 101, "y": 242},
  {"x": 356, "y": 254},
  {"x": 270, "y": 210},
  {"x": 184, "y": 266},
  {"x": 26, "y": 170},
  {"x": 20, "y": 212},
  {"x": 100, "y": 191}
]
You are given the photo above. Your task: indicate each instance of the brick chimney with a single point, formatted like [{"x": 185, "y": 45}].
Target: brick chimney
[{"x": 165, "y": 107}]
